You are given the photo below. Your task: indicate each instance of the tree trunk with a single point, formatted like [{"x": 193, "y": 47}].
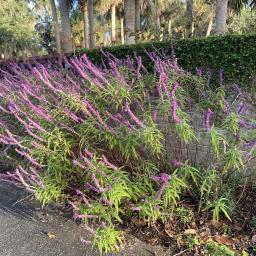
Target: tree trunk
[
  {"x": 221, "y": 16},
  {"x": 190, "y": 15},
  {"x": 85, "y": 24},
  {"x": 65, "y": 26},
  {"x": 122, "y": 29},
  {"x": 156, "y": 18},
  {"x": 137, "y": 17},
  {"x": 170, "y": 28},
  {"x": 91, "y": 23},
  {"x": 56, "y": 26},
  {"x": 129, "y": 17},
  {"x": 113, "y": 23},
  {"x": 209, "y": 28}
]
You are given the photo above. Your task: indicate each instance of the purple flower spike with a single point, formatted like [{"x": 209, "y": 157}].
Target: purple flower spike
[
  {"x": 199, "y": 71},
  {"x": 176, "y": 163},
  {"x": 207, "y": 121},
  {"x": 133, "y": 117},
  {"x": 175, "y": 117},
  {"x": 154, "y": 116}
]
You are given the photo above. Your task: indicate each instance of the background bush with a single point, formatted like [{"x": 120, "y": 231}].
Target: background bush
[{"x": 235, "y": 54}]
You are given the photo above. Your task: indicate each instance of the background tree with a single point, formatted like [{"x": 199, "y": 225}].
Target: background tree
[
  {"x": 129, "y": 19},
  {"x": 90, "y": 4},
  {"x": 56, "y": 26},
  {"x": 64, "y": 6}
]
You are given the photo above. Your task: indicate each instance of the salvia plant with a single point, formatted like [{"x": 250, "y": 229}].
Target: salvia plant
[{"x": 94, "y": 137}]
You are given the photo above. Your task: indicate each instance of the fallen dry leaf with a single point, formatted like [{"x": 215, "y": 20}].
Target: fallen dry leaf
[
  {"x": 170, "y": 233},
  {"x": 190, "y": 231},
  {"x": 224, "y": 240},
  {"x": 51, "y": 235},
  {"x": 254, "y": 238}
]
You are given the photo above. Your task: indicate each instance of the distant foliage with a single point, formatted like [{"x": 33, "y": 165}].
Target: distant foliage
[
  {"x": 236, "y": 54},
  {"x": 89, "y": 136}
]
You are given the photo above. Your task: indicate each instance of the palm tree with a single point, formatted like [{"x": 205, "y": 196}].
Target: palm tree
[
  {"x": 210, "y": 23},
  {"x": 91, "y": 23},
  {"x": 155, "y": 7},
  {"x": 113, "y": 21},
  {"x": 56, "y": 26},
  {"x": 84, "y": 9},
  {"x": 129, "y": 19},
  {"x": 221, "y": 16},
  {"x": 137, "y": 16},
  {"x": 64, "y": 6},
  {"x": 190, "y": 14}
]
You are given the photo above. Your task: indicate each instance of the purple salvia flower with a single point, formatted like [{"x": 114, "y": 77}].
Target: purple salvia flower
[
  {"x": 226, "y": 107},
  {"x": 159, "y": 89},
  {"x": 250, "y": 144},
  {"x": 97, "y": 183},
  {"x": 11, "y": 137},
  {"x": 108, "y": 163},
  {"x": 116, "y": 72},
  {"x": 4, "y": 110},
  {"x": 87, "y": 152},
  {"x": 164, "y": 179},
  {"x": 133, "y": 117},
  {"x": 22, "y": 180},
  {"x": 139, "y": 63},
  {"x": 176, "y": 163},
  {"x": 242, "y": 108},
  {"x": 71, "y": 115},
  {"x": 87, "y": 161},
  {"x": 174, "y": 89},
  {"x": 207, "y": 121},
  {"x": 32, "y": 160},
  {"x": 154, "y": 116},
  {"x": 36, "y": 125},
  {"x": 92, "y": 188},
  {"x": 134, "y": 208},
  {"x": 199, "y": 71},
  {"x": 91, "y": 230},
  {"x": 78, "y": 68},
  {"x": 86, "y": 242},
  {"x": 84, "y": 216},
  {"x": 86, "y": 201},
  {"x": 34, "y": 135},
  {"x": 77, "y": 163},
  {"x": 175, "y": 117},
  {"x": 74, "y": 206}
]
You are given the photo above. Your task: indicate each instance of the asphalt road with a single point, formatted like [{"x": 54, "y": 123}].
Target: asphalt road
[{"x": 28, "y": 230}]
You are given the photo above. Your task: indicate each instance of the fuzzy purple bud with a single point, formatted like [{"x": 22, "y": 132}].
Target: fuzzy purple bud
[{"x": 208, "y": 117}]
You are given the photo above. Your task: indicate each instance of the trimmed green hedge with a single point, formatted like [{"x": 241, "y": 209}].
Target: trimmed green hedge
[{"x": 235, "y": 54}]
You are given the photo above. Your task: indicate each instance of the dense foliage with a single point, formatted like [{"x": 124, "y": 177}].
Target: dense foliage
[
  {"x": 235, "y": 54},
  {"x": 90, "y": 136}
]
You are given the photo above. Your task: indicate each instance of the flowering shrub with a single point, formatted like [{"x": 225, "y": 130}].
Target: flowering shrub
[{"x": 90, "y": 136}]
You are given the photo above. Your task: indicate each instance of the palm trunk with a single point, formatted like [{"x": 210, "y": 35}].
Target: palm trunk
[
  {"x": 113, "y": 23},
  {"x": 170, "y": 28},
  {"x": 209, "y": 28},
  {"x": 56, "y": 26},
  {"x": 156, "y": 18},
  {"x": 190, "y": 15},
  {"x": 221, "y": 16},
  {"x": 122, "y": 29},
  {"x": 129, "y": 16},
  {"x": 91, "y": 23},
  {"x": 137, "y": 17},
  {"x": 65, "y": 26},
  {"x": 85, "y": 24}
]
